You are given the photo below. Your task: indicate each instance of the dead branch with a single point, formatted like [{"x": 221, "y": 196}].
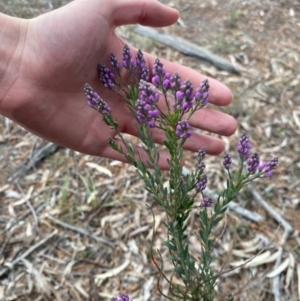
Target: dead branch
[
  {"x": 288, "y": 229},
  {"x": 187, "y": 48},
  {"x": 46, "y": 150},
  {"x": 37, "y": 208},
  {"x": 80, "y": 231},
  {"x": 10, "y": 265},
  {"x": 252, "y": 216}
]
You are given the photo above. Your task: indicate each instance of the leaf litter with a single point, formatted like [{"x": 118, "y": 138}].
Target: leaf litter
[{"x": 70, "y": 237}]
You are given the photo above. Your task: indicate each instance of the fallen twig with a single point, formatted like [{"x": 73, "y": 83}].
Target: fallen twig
[
  {"x": 46, "y": 150},
  {"x": 255, "y": 217},
  {"x": 288, "y": 229},
  {"x": 252, "y": 216},
  {"x": 37, "y": 208},
  {"x": 276, "y": 282},
  {"x": 80, "y": 231},
  {"x": 33, "y": 248},
  {"x": 4, "y": 244},
  {"x": 27, "y": 198},
  {"x": 10, "y": 265},
  {"x": 187, "y": 48}
]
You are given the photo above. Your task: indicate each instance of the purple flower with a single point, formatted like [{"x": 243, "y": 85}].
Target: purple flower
[
  {"x": 126, "y": 57},
  {"x": 115, "y": 65},
  {"x": 272, "y": 164},
  {"x": 107, "y": 76},
  {"x": 201, "y": 156},
  {"x": 155, "y": 80},
  {"x": 137, "y": 66},
  {"x": 201, "y": 94},
  {"x": 187, "y": 88},
  {"x": 244, "y": 147},
  {"x": 184, "y": 97},
  {"x": 206, "y": 202},
  {"x": 268, "y": 167},
  {"x": 95, "y": 101},
  {"x": 146, "y": 105},
  {"x": 183, "y": 129},
  {"x": 140, "y": 65},
  {"x": 158, "y": 68},
  {"x": 144, "y": 74},
  {"x": 201, "y": 183},
  {"x": 253, "y": 163},
  {"x": 159, "y": 74},
  {"x": 201, "y": 166},
  {"x": 179, "y": 95},
  {"x": 167, "y": 82},
  {"x": 122, "y": 297},
  {"x": 227, "y": 160},
  {"x": 261, "y": 166},
  {"x": 140, "y": 61},
  {"x": 175, "y": 82}
]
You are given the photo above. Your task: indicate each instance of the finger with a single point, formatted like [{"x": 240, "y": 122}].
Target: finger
[
  {"x": 219, "y": 94},
  {"x": 213, "y": 121},
  {"x": 213, "y": 145},
  {"x": 206, "y": 119},
  {"x": 140, "y": 154},
  {"x": 145, "y": 12}
]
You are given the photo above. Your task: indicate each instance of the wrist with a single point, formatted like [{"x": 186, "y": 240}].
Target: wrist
[{"x": 12, "y": 37}]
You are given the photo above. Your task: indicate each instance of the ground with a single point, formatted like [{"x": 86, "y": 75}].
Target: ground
[{"x": 76, "y": 227}]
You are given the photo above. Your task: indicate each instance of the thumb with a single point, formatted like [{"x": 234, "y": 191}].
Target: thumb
[{"x": 145, "y": 12}]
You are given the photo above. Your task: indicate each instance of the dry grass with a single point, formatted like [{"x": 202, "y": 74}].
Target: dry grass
[{"x": 75, "y": 227}]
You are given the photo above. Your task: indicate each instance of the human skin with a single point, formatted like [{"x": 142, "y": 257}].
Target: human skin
[{"x": 45, "y": 62}]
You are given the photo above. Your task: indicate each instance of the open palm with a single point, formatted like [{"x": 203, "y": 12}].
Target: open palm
[{"x": 60, "y": 53}]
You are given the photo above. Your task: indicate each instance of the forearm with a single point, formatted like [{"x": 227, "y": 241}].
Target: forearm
[{"x": 12, "y": 41}]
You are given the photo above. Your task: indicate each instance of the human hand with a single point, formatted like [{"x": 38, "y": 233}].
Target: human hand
[{"x": 60, "y": 51}]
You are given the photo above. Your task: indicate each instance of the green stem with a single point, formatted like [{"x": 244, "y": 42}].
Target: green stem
[{"x": 182, "y": 260}]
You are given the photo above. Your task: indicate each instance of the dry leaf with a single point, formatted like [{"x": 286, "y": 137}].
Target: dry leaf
[
  {"x": 81, "y": 290},
  {"x": 290, "y": 271},
  {"x": 298, "y": 275},
  {"x": 259, "y": 259},
  {"x": 2, "y": 293},
  {"x": 112, "y": 218},
  {"x": 112, "y": 272},
  {"x": 250, "y": 243},
  {"x": 99, "y": 168},
  {"x": 279, "y": 269}
]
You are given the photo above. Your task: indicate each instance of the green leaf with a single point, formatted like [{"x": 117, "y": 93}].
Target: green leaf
[
  {"x": 217, "y": 208},
  {"x": 203, "y": 235},
  {"x": 229, "y": 297},
  {"x": 179, "y": 270},
  {"x": 185, "y": 216},
  {"x": 172, "y": 258},
  {"x": 203, "y": 217},
  {"x": 168, "y": 244},
  {"x": 173, "y": 117},
  {"x": 186, "y": 254},
  {"x": 216, "y": 221},
  {"x": 224, "y": 209},
  {"x": 130, "y": 148},
  {"x": 168, "y": 145}
]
